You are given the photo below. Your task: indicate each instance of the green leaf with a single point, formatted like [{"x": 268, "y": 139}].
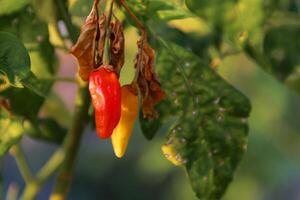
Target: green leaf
[
  {"x": 149, "y": 127},
  {"x": 159, "y": 10},
  {"x": 39, "y": 87},
  {"x": 247, "y": 17},
  {"x": 47, "y": 130},
  {"x": 14, "y": 59},
  {"x": 167, "y": 15},
  {"x": 210, "y": 135},
  {"x": 279, "y": 55},
  {"x": 154, "y": 5},
  {"x": 273, "y": 6},
  {"x": 34, "y": 34},
  {"x": 9, "y": 6},
  {"x": 56, "y": 108},
  {"x": 293, "y": 81},
  {"x": 11, "y": 130},
  {"x": 24, "y": 102},
  {"x": 282, "y": 47}
]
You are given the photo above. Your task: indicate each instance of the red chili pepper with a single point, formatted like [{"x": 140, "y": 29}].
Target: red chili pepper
[{"x": 105, "y": 91}]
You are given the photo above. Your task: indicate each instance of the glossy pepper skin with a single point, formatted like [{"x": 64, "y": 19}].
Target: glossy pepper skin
[
  {"x": 105, "y": 92},
  {"x": 129, "y": 113}
]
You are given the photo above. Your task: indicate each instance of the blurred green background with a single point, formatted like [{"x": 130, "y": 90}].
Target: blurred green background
[{"x": 268, "y": 171}]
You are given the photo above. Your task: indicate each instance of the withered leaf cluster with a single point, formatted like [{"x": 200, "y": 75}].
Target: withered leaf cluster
[
  {"x": 90, "y": 46},
  {"x": 117, "y": 45},
  {"x": 85, "y": 48},
  {"x": 148, "y": 84}
]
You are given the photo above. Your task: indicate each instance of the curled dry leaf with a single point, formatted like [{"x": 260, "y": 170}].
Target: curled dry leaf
[
  {"x": 101, "y": 39},
  {"x": 89, "y": 47},
  {"x": 85, "y": 47},
  {"x": 148, "y": 84},
  {"x": 117, "y": 45}
]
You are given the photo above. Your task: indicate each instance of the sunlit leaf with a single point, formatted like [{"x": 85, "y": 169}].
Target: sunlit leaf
[
  {"x": 9, "y": 6},
  {"x": 11, "y": 130},
  {"x": 247, "y": 17},
  {"x": 14, "y": 59}
]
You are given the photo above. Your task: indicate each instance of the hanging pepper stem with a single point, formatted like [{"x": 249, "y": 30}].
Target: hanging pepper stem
[{"x": 107, "y": 33}]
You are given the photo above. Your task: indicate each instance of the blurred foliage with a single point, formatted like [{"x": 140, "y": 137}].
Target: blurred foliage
[
  {"x": 34, "y": 35},
  {"x": 205, "y": 117},
  {"x": 11, "y": 130},
  {"x": 8, "y": 7}
]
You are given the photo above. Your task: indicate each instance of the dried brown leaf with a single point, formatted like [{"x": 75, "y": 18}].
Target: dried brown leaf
[
  {"x": 5, "y": 104},
  {"x": 89, "y": 47},
  {"x": 101, "y": 39},
  {"x": 117, "y": 45},
  {"x": 84, "y": 49},
  {"x": 148, "y": 84}
]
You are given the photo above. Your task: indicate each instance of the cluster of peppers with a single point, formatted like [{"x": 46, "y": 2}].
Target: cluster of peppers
[{"x": 116, "y": 108}]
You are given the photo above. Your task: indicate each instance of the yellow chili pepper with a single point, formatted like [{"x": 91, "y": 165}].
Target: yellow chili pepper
[{"x": 129, "y": 113}]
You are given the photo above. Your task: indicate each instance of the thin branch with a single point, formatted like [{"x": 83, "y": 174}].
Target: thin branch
[
  {"x": 72, "y": 143},
  {"x": 12, "y": 192},
  {"x": 51, "y": 166},
  {"x": 35, "y": 185},
  {"x": 63, "y": 14},
  {"x": 19, "y": 155},
  {"x": 64, "y": 157}
]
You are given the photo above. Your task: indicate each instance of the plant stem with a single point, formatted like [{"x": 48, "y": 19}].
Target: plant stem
[
  {"x": 31, "y": 189},
  {"x": 107, "y": 55},
  {"x": 17, "y": 152},
  {"x": 65, "y": 156},
  {"x": 72, "y": 143},
  {"x": 63, "y": 15},
  {"x": 51, "y": 166},
  {"x": 35, "y": 184}
]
